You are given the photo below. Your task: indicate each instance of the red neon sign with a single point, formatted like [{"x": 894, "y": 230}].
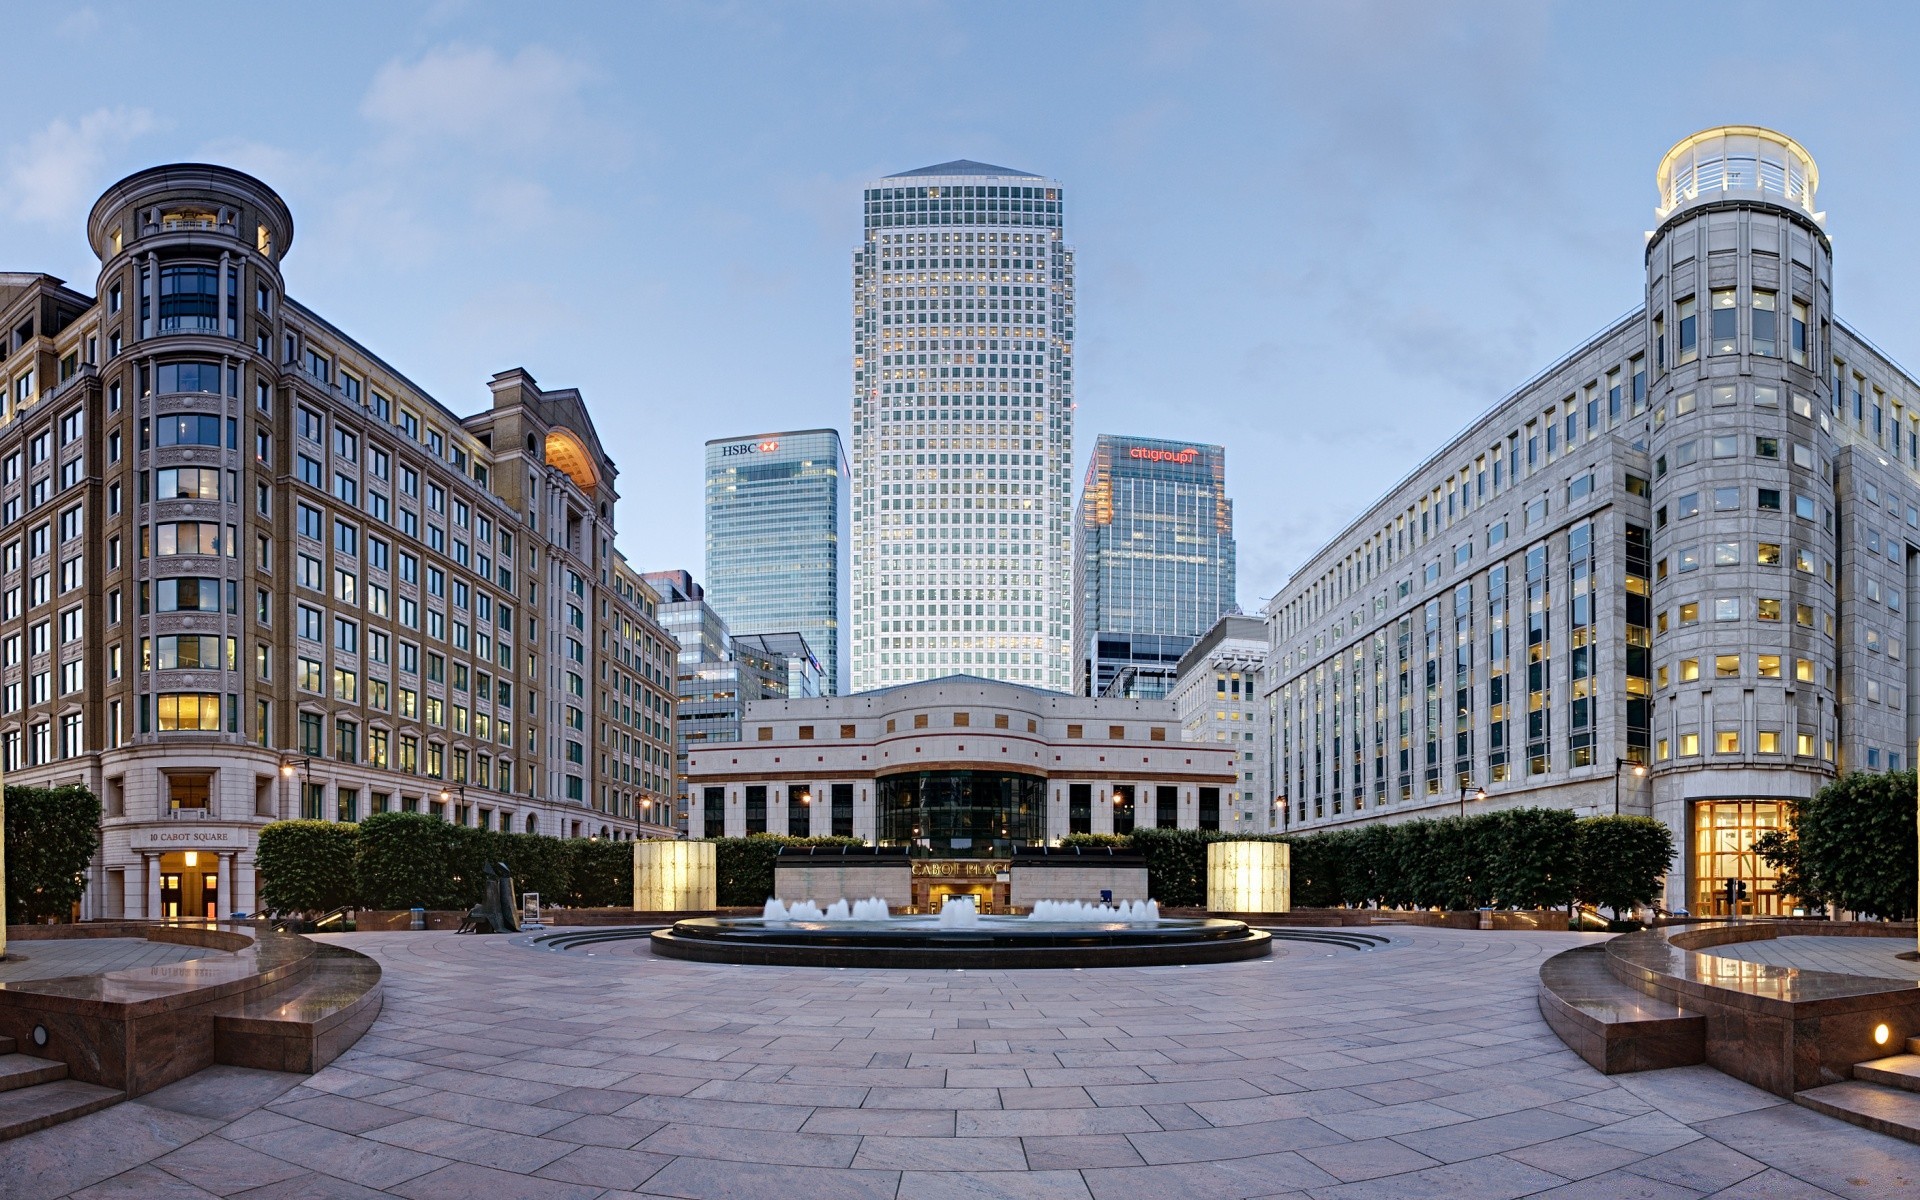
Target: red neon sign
[{"x": 1173, "y": 456}]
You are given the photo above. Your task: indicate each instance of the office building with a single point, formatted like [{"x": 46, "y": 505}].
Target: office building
[
  {"x": 1217, "y": 695},
  {"x": 1153, "y": 563},
  {"x": 716, "y": 674},
  {"x": 776, "y": 511},
  {"x": 958, "y": 768},
  {"x": 962, "y": 429},
  {"x": 251, "y": 572},
  {"x": 1688, "y": 544}
]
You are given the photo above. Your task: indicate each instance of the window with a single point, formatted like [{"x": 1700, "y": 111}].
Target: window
[
  {"x": 1726, "y": 666},
  {"x": 1765, "y": 319},
  {"x": 188, "y": 710},
  {"x": 1766, "y": 609},
  {"x": 1769, "y": 666},
  {"x": 1726, "y": 608},
  {"x": 1726, "y": 322},
  {"x": 1687, "y": 312}
]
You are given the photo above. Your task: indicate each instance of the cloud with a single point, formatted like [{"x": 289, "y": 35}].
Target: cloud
[
  {"x": 529, "y": 102},
  {"x": 57, "y": 170}
]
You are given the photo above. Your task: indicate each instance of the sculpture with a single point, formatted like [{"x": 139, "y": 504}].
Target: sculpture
[{"x": 496, "y": 911}]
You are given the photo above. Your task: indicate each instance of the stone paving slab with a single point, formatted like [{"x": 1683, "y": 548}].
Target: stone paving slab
[
  {"x": 1419, "y": 1070},
  {"x": 57, "y": 958},
  {"x": 1870, "y": 956}
]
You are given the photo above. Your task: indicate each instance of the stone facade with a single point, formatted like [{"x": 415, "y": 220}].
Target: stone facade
[{"x": 248, "y": 571}]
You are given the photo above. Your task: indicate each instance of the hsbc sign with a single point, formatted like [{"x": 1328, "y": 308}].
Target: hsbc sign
[{"x": 739, "y": 448}]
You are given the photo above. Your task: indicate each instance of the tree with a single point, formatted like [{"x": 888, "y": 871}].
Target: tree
[
  {"x": 51, "y": 836},
  {"x": 1858, "y": 843},
  {"x": 1621, "y": 861},
  {"x": 306, "y": 866},
  {"x": 1780, "y": 849},
  {"x": 1535, "y": 857}
]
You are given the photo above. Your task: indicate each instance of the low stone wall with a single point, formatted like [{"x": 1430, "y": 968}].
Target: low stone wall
[
  {"x": 1064, "y": 879},
  {"x": 615, "y": 916},
  {"x": 826, "y": 879},
  {"x": 387, "y": 920}
]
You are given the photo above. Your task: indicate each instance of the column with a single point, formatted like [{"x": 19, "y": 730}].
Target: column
[
  {"x": 152, "y": 910},
  {"x": 226, "y": 887},
  {"x": 1102, "y": 808},
  {"x": 822, "y": 825}
]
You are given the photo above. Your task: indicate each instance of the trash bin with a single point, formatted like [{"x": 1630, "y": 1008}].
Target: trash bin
[{"x": 417, "y": 918}]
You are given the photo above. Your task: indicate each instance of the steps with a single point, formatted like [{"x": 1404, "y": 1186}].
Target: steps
[
  {"x": 36, "y": 1093},
  {"x": 1883, "y": 1095},
  {"x": 1612, "y": 1026},
  {"x": 307, "y": 1024}
]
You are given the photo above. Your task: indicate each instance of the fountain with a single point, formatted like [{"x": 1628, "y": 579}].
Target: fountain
[{"x": 864, "y": 933}]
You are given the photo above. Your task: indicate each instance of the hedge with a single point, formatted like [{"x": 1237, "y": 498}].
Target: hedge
[
  {"x": 408, "y": 860},
  {"x": 305, "y": 866},
  {"x": 744, "y": 865},
  {"x": 1517, "y": 858},
  {"x": 51, "y": 836}
]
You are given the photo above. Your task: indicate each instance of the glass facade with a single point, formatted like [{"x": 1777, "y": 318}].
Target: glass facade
[
  {"x": 962, "y": 429},
  {"x": 776, "y": 511},
  {"x": 1154, "y": 559},
  {"x": 962, "y": 814},
  {"x": 1724, "y": 832}
]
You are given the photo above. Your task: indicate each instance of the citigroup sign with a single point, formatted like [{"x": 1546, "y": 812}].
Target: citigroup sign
[
  {"x": 1153, "y": 454},
  {"x": 739, "y": 448}
]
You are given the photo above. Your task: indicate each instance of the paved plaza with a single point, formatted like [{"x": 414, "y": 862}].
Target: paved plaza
[{"x": 500, "y": 1071}]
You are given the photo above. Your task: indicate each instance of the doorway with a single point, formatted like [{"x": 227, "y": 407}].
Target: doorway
[{"x": 190, "y": 886}]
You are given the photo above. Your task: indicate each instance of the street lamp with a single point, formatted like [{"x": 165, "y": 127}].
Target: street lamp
[
  {"x": 1639, "y": 769},
  {"x": 1478, "y": 793},
  {"x": 1286, "y": 813}
]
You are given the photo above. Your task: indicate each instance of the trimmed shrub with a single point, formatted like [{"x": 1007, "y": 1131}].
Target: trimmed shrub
[
  {"x": 539, "y": 864},
  {"x": 413, "y": 860},
  {"x": 51, "y": 836},
  {"x": 1535, "y": 861},
  {"x": 744, "y": 866},
  {"x": 306, "y": 866},
  {"x": 1858, "y": 844},
  {"x": 600, "y": 875},
  {"x": 1622, "y": 859}
]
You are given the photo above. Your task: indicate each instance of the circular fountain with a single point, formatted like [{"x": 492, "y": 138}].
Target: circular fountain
[{"x": 863, "y": 933}]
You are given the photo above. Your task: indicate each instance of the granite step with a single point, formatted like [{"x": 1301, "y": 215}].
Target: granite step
[
  {"x": 1898, "y": 1070},
  {"x": 1889, "y": 1110},
  {"x": 308, "y": 1024},
  {"x": 23, "y": 1071},
  {"x": 1615, "y": 1028},
  {"x": 34, "y": 1108}
]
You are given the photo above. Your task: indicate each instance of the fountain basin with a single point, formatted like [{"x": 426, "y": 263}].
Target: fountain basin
[{"x": 988, "y": 942}]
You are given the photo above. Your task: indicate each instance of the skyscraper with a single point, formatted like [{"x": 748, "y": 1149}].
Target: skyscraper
[
  {"x": 962, "y": 429},
  {"x": 776, "y": 536},
  {"x": 1153, "y": 562}
]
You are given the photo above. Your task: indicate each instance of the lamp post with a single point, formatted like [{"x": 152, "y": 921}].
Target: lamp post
[
  {"x": 1638, "y": 770},
  {"x": 288, "y": 770},
  {"x": 1466, "y": 786}
]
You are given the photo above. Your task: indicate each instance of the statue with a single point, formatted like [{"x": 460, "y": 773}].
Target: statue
[{"x": 496, "y": 911}]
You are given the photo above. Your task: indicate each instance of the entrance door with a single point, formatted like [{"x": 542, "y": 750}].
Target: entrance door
[
  {"x": 210, "y": 896},
  {"x": 170, "y": 896},
  {"x": 1724, "y": 832}
]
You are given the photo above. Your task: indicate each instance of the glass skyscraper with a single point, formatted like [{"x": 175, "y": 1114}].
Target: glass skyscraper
[
  {"x": 962, "y": 429},
  {"x": 776, "y": 525},
  {"x": 1154, "y": 563}
]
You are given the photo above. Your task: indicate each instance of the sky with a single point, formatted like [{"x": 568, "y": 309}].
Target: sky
[{"x": 1325, "y": 236}]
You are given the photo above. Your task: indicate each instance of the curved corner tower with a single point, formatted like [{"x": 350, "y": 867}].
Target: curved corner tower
[{"x": 1743, "y": 457}]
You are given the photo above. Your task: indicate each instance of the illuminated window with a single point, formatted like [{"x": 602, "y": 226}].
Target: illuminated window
[{"x": 1726, "y": 741}]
